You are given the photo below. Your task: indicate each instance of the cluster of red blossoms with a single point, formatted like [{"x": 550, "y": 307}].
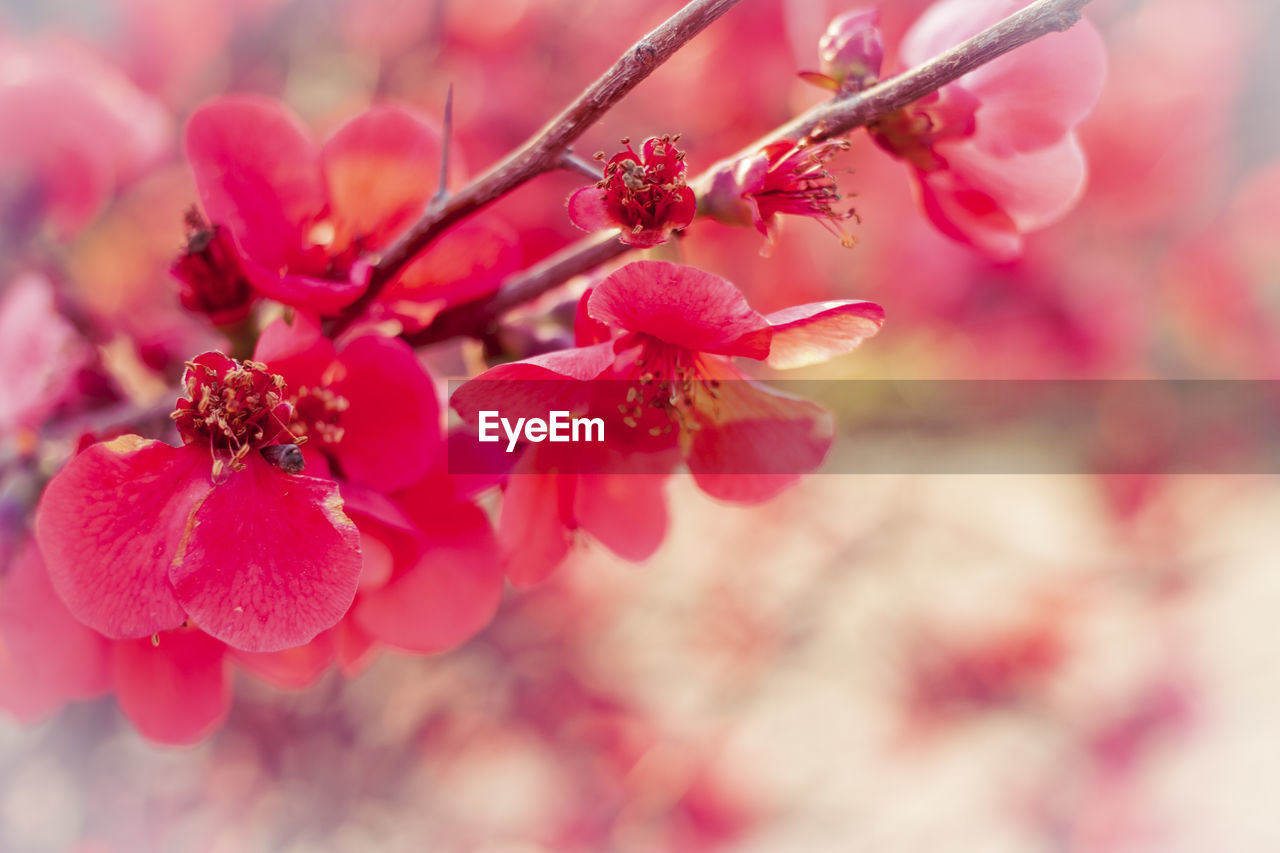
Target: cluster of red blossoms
[{"x": 307, "y": 514}]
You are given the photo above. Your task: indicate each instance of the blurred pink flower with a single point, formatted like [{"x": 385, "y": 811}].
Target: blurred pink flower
[
  {"x": 994, "y": 155},
  {"x": 73, "y": 130}
]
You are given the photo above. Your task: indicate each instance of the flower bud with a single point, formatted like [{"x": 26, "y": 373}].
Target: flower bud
[
  {"x": 212, "y": 278},
  {"x": 851, "y": 50}
]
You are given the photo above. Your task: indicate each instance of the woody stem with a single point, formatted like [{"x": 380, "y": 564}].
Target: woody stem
[{"x": 825, "y": 121}]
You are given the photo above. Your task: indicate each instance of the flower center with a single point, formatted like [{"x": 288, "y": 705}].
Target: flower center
[
  {"x": 670, "y": 382},
  {"x": 640, "y": 187},
  {"x": 232, "y": 406}
]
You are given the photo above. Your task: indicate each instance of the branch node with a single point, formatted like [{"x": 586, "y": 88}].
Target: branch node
[{"x": 1066, "y": 19}]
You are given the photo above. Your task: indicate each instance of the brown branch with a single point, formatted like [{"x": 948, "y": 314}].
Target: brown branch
[
  {"x": 840, "y": 116},
  {"x": 825, "y": 121},
  {"x": 544, "y": 151}
]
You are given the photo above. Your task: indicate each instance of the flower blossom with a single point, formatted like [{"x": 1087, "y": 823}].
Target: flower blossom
[
  {"x": 786, "y": 177},
  {"x": 141, "y": 537},
  {"x": 307, "y": 219},
  {"x": 665, "y": 383},
  {"x": 994, "y": 155},
  {"x": 643, "y": 194}
]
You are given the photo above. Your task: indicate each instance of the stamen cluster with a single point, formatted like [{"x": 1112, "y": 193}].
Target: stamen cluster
[{"x": 231, "y": 406}]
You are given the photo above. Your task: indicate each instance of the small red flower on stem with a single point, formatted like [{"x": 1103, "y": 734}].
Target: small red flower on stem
[
  {"x": 140, "y": 537},
  {"x": 786, "y": 177},
  {"x": 643, "y": 194}
]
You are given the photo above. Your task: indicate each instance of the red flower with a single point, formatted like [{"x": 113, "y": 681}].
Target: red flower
[
  {"x": 995, "y": 155},
  {"x": 140, "y": 537},
  {"x": 372, "y": 416},
  {"x": 786, "y": 177},
  {"x": 306, "y": 218},
  {"x": 679, "y": 328},
  {"x": 643, "y": 194}
]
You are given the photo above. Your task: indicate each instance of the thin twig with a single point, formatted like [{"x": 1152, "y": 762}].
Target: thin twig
[
  {"x": 542, "y": 152},
  {"x": 825, "y": 121}
]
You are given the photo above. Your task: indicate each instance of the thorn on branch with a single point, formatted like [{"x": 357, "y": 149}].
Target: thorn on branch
[
  {"x": 573, "y": 163},
  {"x": 446, "y": 149}
]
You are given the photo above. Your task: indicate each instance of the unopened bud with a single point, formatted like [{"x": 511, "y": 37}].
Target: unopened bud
[
  {"x": 212, "y": 276},
  {"x": 851, "y": 50}
]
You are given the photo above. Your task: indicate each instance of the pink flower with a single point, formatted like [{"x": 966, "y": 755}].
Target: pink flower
[
  {"x": 786, "y": 177},
  {"x": 643, "y": 194},
  {"x": 73, "y": 130},
  {"x": 306, "y": 218},
  {"x": 141, "y": 537},
  {"x": 669, "y": 371},
  {"x": 994, "y": 155}
]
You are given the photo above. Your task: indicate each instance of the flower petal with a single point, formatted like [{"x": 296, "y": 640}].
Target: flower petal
[
  {"x": 46, "y": 656},
  {"x": 297, "y": 350},
  {"x": 1030, "y": 97},
  {"x": 271, "y": 560},
  {"x": 990, "y": 202},
  {"x": 321, "y": 296},
  {"x": 176, "y": 690},
  {"x": 681, "y": 305},
  {"x": 813, "y": 333},
  {"x": 535, "y": 525},
  {"x": 1034, "y": 96},
  {"x": 258, "y": 173},
  {"x": 535, "y": 386},
  {"x": 109, "y": 525},
  {"x": 684, "y": 206},
  {"x": 451, "y": 592},
  {"x": 289, "y": 669},
  {"x": 467, "y": 262},
  {"x": 389, "y": 540},
  {"x": 626, "y": 512},
  {"x": 391, "y": 430},
  {"x": 382, "y": 167},
  {"x": 757, "y": 442},
  {"x": 588, "y": 209}
]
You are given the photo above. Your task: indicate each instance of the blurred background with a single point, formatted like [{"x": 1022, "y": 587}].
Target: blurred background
[{"x": 882, "y": 663}]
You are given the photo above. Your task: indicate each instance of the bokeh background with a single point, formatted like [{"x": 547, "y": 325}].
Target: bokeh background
[{"x": 880, "y": 663}]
